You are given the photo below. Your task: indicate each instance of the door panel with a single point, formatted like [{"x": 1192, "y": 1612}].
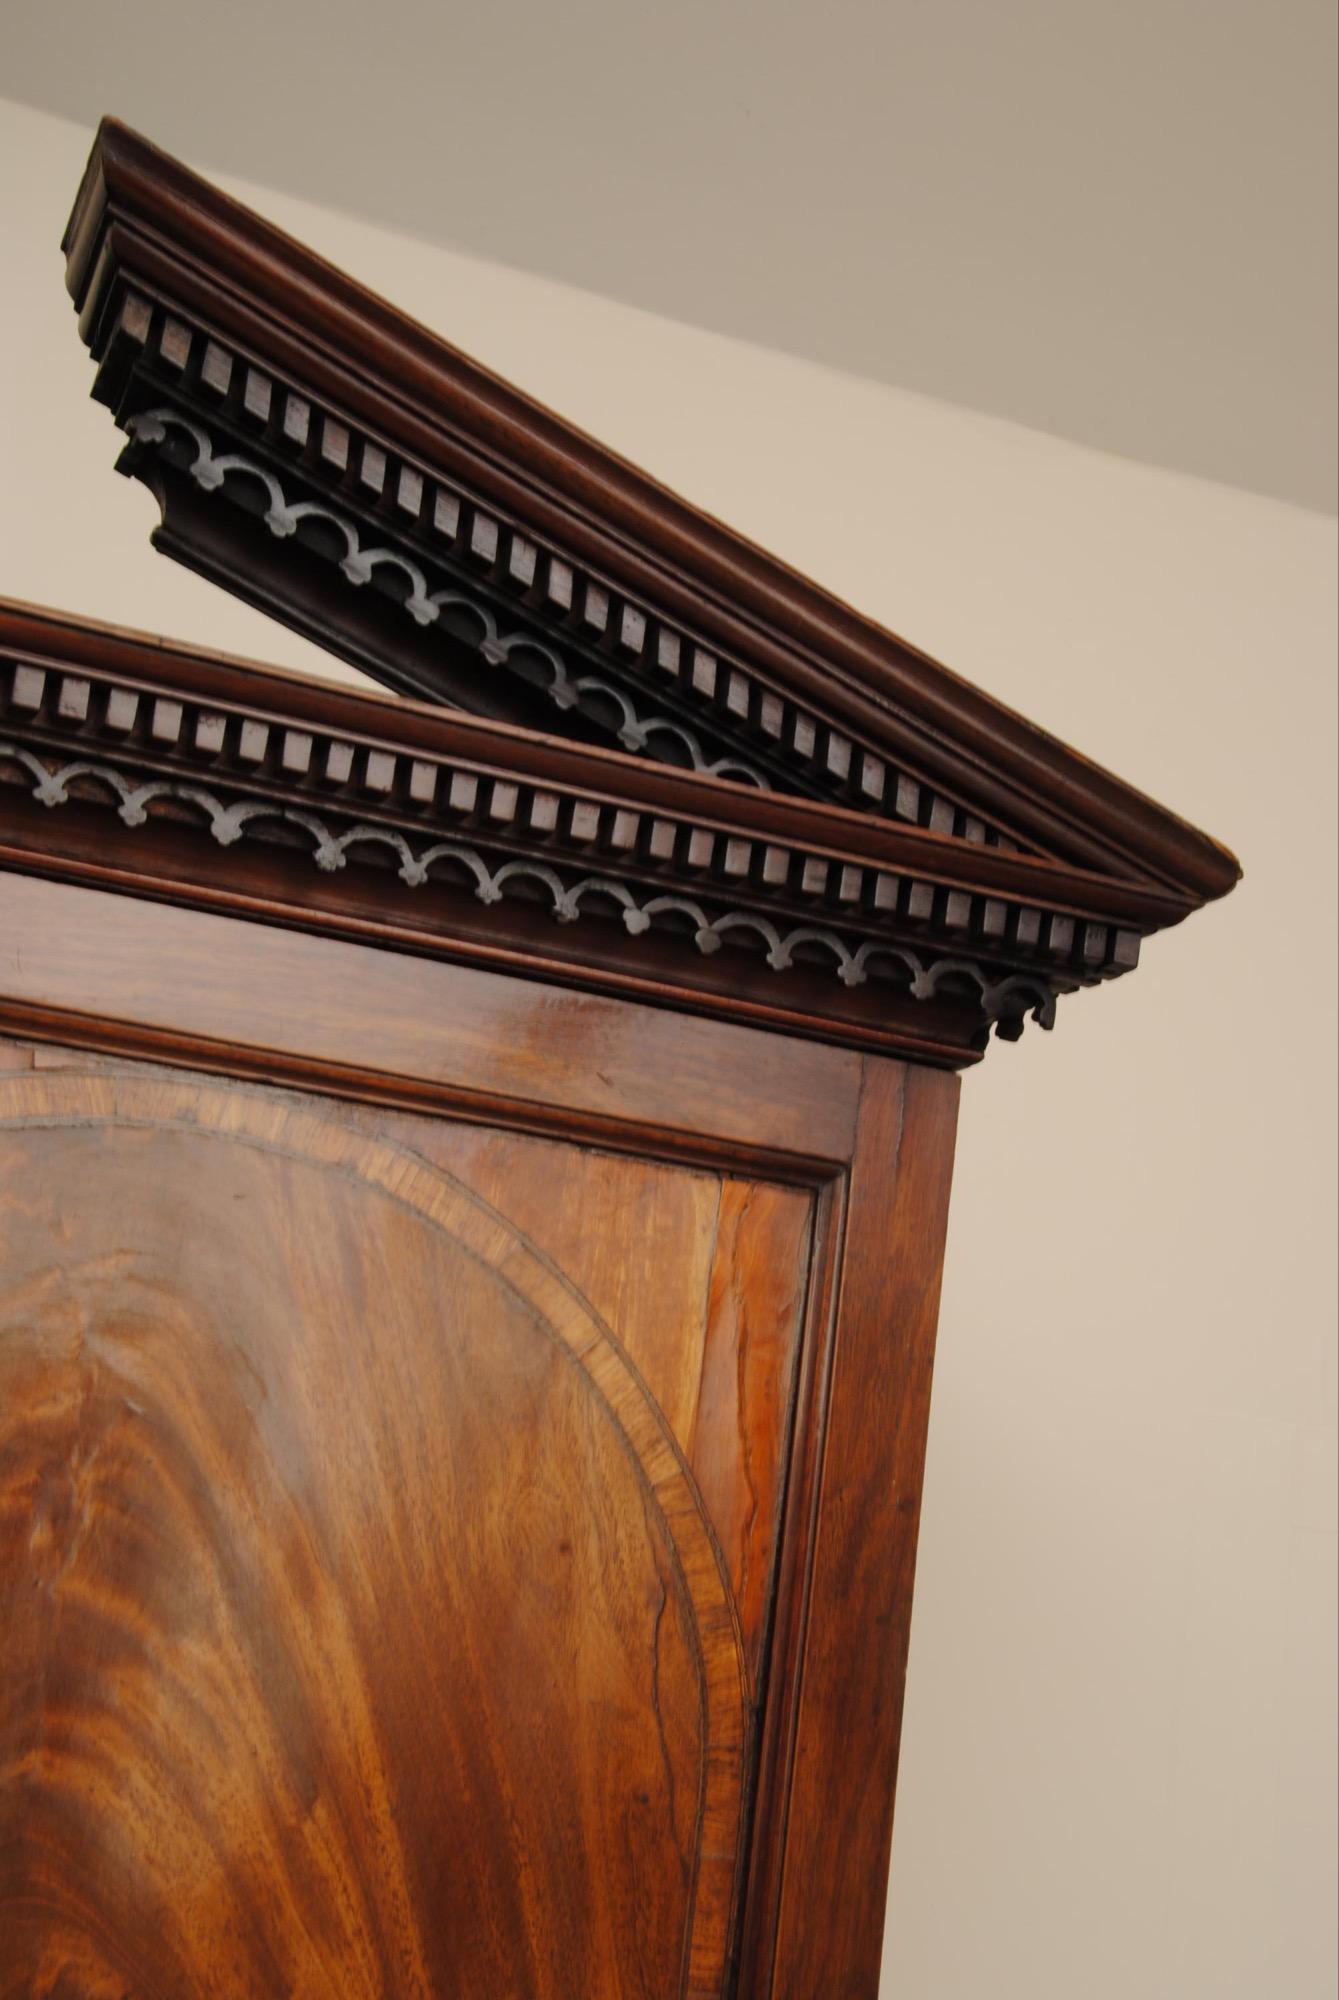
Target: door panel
[
  {"x": 701, "y": 1276},
  {"x": 388, "y": 1510}
]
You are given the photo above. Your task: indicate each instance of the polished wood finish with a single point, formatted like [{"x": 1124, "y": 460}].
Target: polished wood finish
[
  {"x": 844, "y": 1726},
  {"x": 217, "y": 782},
  {"x": 250, "y": 999},
  {"x": 415, "y": 455},
  {"x": 711, "y": 1329},
  {"x": 472, "y": 1198},
  {"x": 685, "y": 1216},
  {"x": 426, "y": 1674}
]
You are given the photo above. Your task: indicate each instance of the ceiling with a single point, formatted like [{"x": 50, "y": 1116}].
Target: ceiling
[{"x": 1112, "y": 221}]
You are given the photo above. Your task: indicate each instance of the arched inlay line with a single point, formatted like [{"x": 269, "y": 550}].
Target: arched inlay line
[{"x": 33, "y": 1101}]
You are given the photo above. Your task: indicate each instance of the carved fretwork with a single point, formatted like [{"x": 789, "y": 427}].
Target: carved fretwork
[
  {"x": 290, "y": 505},
  {"x": 448, "y": 833},
  {"x": 324, "y": 457},
  {"x": 644, "y": 756},
  {"x": 1005, "y": 1000},
  {"x": 506, "y": 643}
]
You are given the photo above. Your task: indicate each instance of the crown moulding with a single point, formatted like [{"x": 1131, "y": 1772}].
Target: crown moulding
[
  {"x": 324, "y": 456},
  {"x": 129, "y": 763},
  {"x": 630, "y": 751}
]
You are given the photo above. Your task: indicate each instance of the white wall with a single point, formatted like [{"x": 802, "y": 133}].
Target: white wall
[{"x": 1119, "y": 1766}]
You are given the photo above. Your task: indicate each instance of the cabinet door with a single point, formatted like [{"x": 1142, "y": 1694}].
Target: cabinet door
[
  {"x": 460, "y": 1455},
  {"x": 388, "y": 1510}
]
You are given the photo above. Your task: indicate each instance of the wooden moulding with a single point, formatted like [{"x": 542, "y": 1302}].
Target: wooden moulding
[
  {"x": 135, "y": 765},
  {"x": 318, "y": 453},
  {"x": 869, "y": 1139}
]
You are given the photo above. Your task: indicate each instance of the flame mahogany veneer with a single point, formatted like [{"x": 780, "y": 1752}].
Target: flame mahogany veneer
[{"x": 474, "y": 1166}]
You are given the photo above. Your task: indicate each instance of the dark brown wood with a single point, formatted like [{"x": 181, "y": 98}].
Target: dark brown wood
[
  {"x": 169, "y": 773},
  {"x": 241, "y": 365},
  {"x": 825, "y": 1846},
  {"x": 108, "y": 658}
]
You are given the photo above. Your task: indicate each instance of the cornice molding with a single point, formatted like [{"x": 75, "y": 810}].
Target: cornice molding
[
  {"x": 418, "y": 584},
  {"x": 196, "y": 307},
  {"x": 228, "y": 785},
  {"x": 1005, "y": 1001}
]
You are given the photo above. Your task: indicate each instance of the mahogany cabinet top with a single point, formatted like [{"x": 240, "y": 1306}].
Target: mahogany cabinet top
[
  {"x": 132, "y": 763},
  {"x": 764, "y": 802}
]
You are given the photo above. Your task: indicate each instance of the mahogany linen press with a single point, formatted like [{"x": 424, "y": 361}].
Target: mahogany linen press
[{"x": 473, "y": 1173}]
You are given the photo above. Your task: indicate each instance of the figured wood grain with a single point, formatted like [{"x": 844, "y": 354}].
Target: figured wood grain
[
  {"x": 638, "y": 1238},
  {"x": 362, "y": 1633},
  {"x": 703, "y": 1277},
  {"x": 823, "y": 1752},
  {"x": 741, "y": 1422}
]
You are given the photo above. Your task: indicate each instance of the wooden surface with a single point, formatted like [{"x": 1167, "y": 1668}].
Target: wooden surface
[
  {"x": 490, "y": 1469},
  {"x": 150, "y": 244},
  {"x": 172, "y": 774},
  {"x": 708, "y": 1312},
  {"x": 368, "y": 720},
  {"x": 322, "y": 1484},
  {"x": 246, "y": 997},
  {"x": 846, "y": 1718}
]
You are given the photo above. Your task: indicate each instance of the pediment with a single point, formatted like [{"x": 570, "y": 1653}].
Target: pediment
[
  {"x": 623, "y": 749},
  {"x": 334, "y": 463}
]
